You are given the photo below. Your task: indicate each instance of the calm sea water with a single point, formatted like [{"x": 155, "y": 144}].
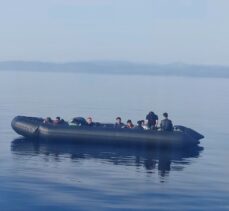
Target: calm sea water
[{"x": 41, "y": 176}]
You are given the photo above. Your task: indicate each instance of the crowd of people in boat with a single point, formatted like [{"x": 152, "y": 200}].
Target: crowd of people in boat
[{"x": 150, "y": 123}]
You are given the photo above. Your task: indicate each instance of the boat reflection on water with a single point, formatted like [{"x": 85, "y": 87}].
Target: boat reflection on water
[{"x": 151, "y": 159}]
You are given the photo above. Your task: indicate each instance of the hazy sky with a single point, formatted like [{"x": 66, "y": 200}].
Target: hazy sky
[{"x": 152, "y": 31}]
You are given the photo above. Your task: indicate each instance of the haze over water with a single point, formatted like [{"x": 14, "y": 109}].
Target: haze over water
[{"x": 81, "y": 177}]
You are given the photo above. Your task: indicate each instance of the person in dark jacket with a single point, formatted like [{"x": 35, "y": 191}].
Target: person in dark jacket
[
  {"x": 166, "y": 124},
  {"x": 48, "y": 120},
  {"x": 139, "y": 125},
  {"x": 152, "y": 119},
  {"x": 119, "y": 123},
  {"x": 58, "y": 121},
  {"x": 90, "y": 122}
]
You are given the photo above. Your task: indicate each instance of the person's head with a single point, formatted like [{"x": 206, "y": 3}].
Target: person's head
[
  {"x": 129, "y": 123},
  {"x": 165, "y": 115},
  {"x": 151, "y": 112},
  {"x": 48, "y": 119},
  {"x": 89, "y": 120},
  {"x": 140, "y": 122},
  {"x": 58, "y": 118},
  {"x": 118, "y": 120}
]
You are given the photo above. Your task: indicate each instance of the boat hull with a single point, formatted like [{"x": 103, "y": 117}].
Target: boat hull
[{"x": 31, "y": 127}]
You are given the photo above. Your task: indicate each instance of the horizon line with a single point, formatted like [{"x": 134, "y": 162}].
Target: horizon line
[{"x": 114, "y": 61}]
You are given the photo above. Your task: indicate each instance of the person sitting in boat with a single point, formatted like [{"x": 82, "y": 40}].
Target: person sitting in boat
[
  {"x": 152, "y": 119},
  {"x": 90, "y": 122},
  {"x": 78, "y": 121},
  {"x": 119, "y": 123},
  {"x": 166, "y": 124},
  {"x": 145, "y": 125},
  {"x": 58, "y": 121},
  {"x": 48, "y": 120},
  {"x": 129, "y": 124},
  {"x": 139, "y": 125}
]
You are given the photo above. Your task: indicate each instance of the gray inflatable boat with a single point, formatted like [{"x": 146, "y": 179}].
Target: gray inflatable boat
[{"x": 34, "y": 128}]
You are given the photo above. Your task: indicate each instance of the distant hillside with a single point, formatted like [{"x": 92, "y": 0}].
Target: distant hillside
[{"x": 120, "y": 68}]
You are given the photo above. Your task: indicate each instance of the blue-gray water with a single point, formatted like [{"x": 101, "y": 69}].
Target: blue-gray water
[{"x": 73, "y": 177}]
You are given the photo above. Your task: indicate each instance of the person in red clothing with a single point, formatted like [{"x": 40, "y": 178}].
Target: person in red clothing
[{"x": 129, "y": 124}]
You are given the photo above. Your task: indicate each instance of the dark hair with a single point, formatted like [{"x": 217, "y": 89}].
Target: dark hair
[
  {"x": 129, "y": 121},
  {"x": 48, "y": 120},
  {"x": 140, "y": 122},
  {"x": 118, "y": 118},
  {"x": 58, "y": 117},
  {"x": 165, "y": 115}
]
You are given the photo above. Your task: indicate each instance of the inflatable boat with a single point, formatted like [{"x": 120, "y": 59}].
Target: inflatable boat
[{"x": 33, "y": 127}]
